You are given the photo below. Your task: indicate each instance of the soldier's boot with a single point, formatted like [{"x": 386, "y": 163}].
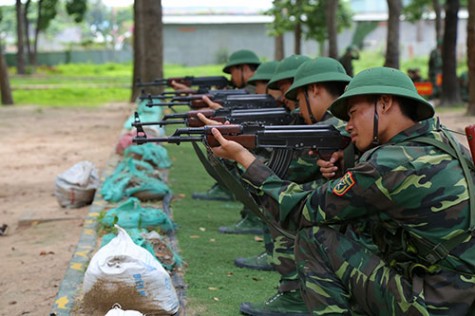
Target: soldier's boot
[
  {"x": 258, "y": 262},
  {"x": 281, "y": 304},
  {"x": 216, "y": 192},
  {"x": 247, "y": 225}
]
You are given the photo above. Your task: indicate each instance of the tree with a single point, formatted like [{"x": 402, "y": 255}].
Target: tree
[
  {"x": 279, "y": 47},
  {"x": 309, "y": 18},
  {"x": 471, "y": 57},
  {"x": 319, "y": 28},
  {"x": 450, "y": 87},
  {"x": 5, "y": 89},
  {"x": 20, "y": 24},
  {"x": 392, "y": 41},
  {"x": 331, "y": 7},
  {"x": 287, "y": 17},
  {"x": 46, "y": 11},
  {"x": 438, "y": 19},
  {"x": 148, "y": 46},
  {"x": 416, "y": 10}
]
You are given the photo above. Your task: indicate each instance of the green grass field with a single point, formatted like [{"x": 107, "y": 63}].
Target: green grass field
[{"x": 215, "y": 285}]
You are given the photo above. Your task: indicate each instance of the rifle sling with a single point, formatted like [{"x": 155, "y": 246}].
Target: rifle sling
[
  {"x": 208, "y": 167},
  {"x": 241, "y": 194}
]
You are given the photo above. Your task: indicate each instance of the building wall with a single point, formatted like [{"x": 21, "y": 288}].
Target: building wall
[
  {"x": 204, "y": 44},
  {"x": 201, "y": 44}
]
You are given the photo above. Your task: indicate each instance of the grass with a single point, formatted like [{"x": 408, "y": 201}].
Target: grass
[
  {"x": 86, "y": 84},
  {"x": 215, "y": 285}
]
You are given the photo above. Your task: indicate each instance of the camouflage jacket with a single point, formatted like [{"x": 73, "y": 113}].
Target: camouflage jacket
[{"x": 411, "y": 194}]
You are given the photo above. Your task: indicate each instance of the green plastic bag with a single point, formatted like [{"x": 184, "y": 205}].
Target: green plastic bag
[{"x": 131, "y": 214}]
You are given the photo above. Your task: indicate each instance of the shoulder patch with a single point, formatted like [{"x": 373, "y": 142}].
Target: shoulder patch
[{"x": 345, "y": 183}]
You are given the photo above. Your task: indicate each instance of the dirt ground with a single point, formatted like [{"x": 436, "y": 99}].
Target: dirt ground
[{"x": 35, "y": 146}]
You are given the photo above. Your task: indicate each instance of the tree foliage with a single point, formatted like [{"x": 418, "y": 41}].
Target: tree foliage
[
  {"x": 77, "y": 9},
  {"x": 46, "y": 12},
  {"x": 310, "y": 14}
]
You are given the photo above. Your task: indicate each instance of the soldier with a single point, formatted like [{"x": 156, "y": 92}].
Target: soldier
[
  {"x": 316, "y": 84},
  {"x": 241, "y": 66},
  {"x": 351, "y": 53},
  {"x": 435, "y": 68},
  {"x": 412, "y": 191},
  {"x": 249, "y": 223},
  {"x": 261, "y": 78}
]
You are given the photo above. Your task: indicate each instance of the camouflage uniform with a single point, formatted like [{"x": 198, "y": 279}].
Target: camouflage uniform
[
  {"x": 280, "y": 248},
  {"x": 303, "y": 170},
  {"x": 407, "y": 196}
]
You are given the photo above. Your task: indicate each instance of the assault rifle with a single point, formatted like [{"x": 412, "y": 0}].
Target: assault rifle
[
  {"x": 325, "y": 139},
  {"x": 219, "y": 82},
  {"x": 244, "y": 101},
  {"x": 271, "y": 116},
  {"x": 195, "y": 93}
]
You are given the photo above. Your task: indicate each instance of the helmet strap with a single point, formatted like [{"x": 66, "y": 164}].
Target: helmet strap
[
  {"x": 312, "y": 118},
  {"x": 375, "y": 141}
]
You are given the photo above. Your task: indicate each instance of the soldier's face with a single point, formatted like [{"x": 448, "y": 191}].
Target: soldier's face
[
  {"x": 360, "y": 125},
  {"x": 236, "y": 76},
  {"x": 261, "y": 87},
  {"x": 284, "y": 85}
]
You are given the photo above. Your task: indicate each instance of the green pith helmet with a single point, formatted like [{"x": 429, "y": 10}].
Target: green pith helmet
[
  {"x": 286, "y": 69},
  {"x": 264, "y": 72},
  {"x": 241, "y": 57},
  {"x": 321, "y": 69},
  {"x": 381, "y": 80}
]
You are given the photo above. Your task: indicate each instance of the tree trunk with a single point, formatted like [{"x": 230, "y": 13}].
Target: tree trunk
[
  {"x": 298, "y": 38},
  {"x": 450, "y": 88},
  {"x": 27, "y": 32},
  {"x": 5, "y": 89},
  {"x": 20, "y": 25},
  {"x": 438, "y": 19},
  {"x": 471, "y": 57},
  {"x": 392, "y": 41},
  {"x": 152, "y": 31},
  {"x": 331, "y": 7},
  {"x": 35, "y": 39},
  {"x": 298, "y": 29},
  {"x": 138, "y": 50},
  {"x": 279, "y": 47}
]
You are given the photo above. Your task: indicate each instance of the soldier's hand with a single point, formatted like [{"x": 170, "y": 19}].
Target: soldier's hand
[
  {"x": 232, "y": 150},
  {"x": 179, "y": 86},
  {"x": 211, "y": 104},
  {"x": 329, "y": 168},
  {"x": 207, "y": 121}
]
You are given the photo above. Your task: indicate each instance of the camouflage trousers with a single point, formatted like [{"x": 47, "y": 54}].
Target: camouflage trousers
[
  {"x": 341, "y": 276},
  {"x": 280, "y": 251}
]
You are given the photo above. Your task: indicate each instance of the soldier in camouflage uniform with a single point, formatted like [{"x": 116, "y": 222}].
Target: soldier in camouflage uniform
[
  {"x": 241, "y": 65},
  {"x": 316, "y": 84},
  {"x": 249, "y": 223},
  {"x": 412, "y": 194}
]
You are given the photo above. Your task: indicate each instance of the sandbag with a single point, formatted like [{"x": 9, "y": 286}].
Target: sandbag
[
  {"x": 123, "y": 272},
  {"x": 76, "y": 186}
]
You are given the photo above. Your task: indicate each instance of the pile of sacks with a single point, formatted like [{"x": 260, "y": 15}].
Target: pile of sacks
[
  {"x": 124, "y": 273},
  {"x": 135, "y": 262}
]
